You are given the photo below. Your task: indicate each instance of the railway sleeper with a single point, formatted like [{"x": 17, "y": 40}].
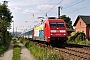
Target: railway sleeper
[
  {"x": 78, "y": 51},
  {"x": 74, "y": 53}
]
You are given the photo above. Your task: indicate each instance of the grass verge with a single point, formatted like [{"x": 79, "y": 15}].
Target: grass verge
[
  {"x": 87, "y": 43},
  {"x": 3, "y": 48},
  {"x": 16, "y": 51},
  {"x": 41, "y": 53}
]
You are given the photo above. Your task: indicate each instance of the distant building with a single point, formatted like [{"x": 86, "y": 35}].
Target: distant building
[{"x": 82, "y": 24}]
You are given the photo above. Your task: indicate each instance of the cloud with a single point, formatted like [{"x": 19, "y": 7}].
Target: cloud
[
  {"x": 18, "y": 4},
  {"x": 26, "y": 2},
  {"x": 44, "y": 7},
  {"x": 30, "y": 11},
  {"x": 17, "y": 8}
]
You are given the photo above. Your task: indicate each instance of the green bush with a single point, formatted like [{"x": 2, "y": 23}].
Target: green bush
[
  {"x": 3, "y": 48},
  {"x": 77, "y": 36},
  {"x": 27, "y": 44}
]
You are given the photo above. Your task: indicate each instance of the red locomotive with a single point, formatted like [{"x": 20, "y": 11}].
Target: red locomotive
[{"x": 52, "y": 31}]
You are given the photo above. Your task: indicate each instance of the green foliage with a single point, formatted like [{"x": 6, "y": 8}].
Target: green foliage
[
  {"x": 88, "y": 43},
  {"x": 5, "y": 22},
  {"x": 53, "y": 56},
  {"x": 5, "y": 14},
  {"x": 1, "y": 38},
  {"x": 77, "y": 37},
  {"x": 14, "y": 42},
  {"x": 68, "y": 22},
  {"x": 27, "y": 44},
  {"x": 84, "y": 43},
  {"x": 4, "y": 47},
  {"x": 16, "y": 51}
]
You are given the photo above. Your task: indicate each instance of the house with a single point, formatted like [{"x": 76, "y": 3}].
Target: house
[{"x": 82, "y": 24}]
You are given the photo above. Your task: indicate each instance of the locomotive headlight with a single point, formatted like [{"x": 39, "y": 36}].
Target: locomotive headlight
[
  {"x": 62, "y": 30},
  {"x": 48, "y": 37},
  {"x": 64, "y": 34},
  {"x": 53, "y": 30},
  {"x": 51, "y": 34}
]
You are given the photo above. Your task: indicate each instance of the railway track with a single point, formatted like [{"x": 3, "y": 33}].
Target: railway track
[{"x": 76, "y": 52}]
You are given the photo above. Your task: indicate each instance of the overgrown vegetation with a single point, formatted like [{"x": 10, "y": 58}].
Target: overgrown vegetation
[
  {"x": 16, "y": 51},
  {"x": 40, "y": 53},
  {"x": 78, "y": 38},
  {"x": 5, "y": 22},
  {"x": 4, "y": 47}
]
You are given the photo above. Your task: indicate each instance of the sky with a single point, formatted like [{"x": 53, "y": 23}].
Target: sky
[{"x": 26, "y": 12}]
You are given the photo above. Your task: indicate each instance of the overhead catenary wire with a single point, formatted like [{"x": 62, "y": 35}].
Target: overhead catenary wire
[
  {"x": 79, "y": 9},
  {"x": 45, "y": 6},
  {"x": 74, "y": 4},
  {"x": 64, "y": 8},
  {"x": 53, "y": 7}
]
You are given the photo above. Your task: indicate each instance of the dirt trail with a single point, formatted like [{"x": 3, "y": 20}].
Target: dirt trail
[
  {"x": 25, "y": 53},
  {"x": 8, "y": 54}
]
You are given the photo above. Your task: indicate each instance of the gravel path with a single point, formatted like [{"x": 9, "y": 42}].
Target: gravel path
[
  {"x": 8, "y": 54},
  {"x": 25, "y": 53}
]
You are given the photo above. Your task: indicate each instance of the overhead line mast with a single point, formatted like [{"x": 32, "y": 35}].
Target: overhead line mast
[{"x": 59, "y": 8}]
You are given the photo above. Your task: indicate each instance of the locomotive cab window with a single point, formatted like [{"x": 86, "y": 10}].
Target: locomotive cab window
[
  {"x": 52, "y": 24},
  {"x": 60, "y": 24},
  {"x": 56, "y": 24}
]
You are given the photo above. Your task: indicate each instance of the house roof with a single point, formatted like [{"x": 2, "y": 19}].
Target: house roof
[{"x": 86, "y": 19}]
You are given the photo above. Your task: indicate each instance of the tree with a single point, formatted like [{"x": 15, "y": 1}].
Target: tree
[
  {"x": 5, "y": 14},
  {"x": 5, "y": 21},
  {"x": 68, "y": 22}
]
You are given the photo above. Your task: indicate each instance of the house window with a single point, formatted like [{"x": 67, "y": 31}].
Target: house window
[
  {"x": 80, "y": 24},
  {"x": 83, "y": 31}
]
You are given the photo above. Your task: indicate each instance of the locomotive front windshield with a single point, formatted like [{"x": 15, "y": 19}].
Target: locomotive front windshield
[{"x": 56, "y": 24}]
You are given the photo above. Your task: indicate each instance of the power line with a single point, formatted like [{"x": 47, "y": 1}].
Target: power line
[
  {"x": 46, "y": 4},
  {"x": 79, "y": 9},
  {"x": 43, "y": 7},
  {"x": 54, "y": 6},
  {"x": 74, "y": 4}
]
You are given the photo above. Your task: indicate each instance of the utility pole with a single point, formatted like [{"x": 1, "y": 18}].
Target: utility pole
[
  {"x": 59, "y": 11},
  {"x": 13, "y": 28},
  {"x": 16, "y": 31}
]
